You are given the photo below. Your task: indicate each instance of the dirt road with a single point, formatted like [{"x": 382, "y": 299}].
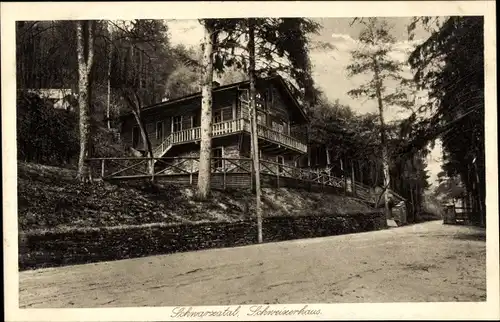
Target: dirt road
[{"x": 424, "y": 262}]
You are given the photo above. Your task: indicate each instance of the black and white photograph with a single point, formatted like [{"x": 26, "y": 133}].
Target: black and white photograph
[{"x": 277, "y": 162}]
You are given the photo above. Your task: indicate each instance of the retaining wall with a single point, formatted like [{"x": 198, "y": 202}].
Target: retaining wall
[{"x": 50, "y": 248}]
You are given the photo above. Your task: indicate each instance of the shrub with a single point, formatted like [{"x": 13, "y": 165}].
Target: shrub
[
  {"x": 44, "y": 134},
  {"x": 50, "y": 136}
]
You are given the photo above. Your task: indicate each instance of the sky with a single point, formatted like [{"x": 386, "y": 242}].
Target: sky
[{"x": 329, "y": 65}]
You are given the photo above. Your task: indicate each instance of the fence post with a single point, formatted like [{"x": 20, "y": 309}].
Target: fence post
[
  {"x": 191, "y": 174},
  {"x": 102, "y": 168},
  {"x": 345, "y": 183},
  {"x": 152, "y": 167},
  {"x": 309, "y": 179},
  {"x": 224, "y": 173},
  {"x": 277, "y": 176}
]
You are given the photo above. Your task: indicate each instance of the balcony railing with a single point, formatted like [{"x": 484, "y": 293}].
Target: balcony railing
[
  {"x": 226, "y": 128},
  {"x": 280, "y": 138}
]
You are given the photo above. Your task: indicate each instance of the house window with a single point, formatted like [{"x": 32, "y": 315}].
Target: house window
[
  {"x": 159, "y": 130},
  {"x": 217, "y": 153},
  {"x": 244, "y": 95},
  {"x": 217, "y": 117},
  {"x": 195, "y": 121},
  {"x": 278, "y": 127},
  {"x": 177, "y": 124},
  {"x": 261, "y": 118},
  {"x": 135, "y": 137},
  {"x": 222, "y": 115}
]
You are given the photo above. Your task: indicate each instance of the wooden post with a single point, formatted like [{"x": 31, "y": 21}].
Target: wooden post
[
  {"x": 191, "y": 173},
  {"x": 224, "y": 173},
  {"x": 277, "y": 176},
  {"x": 102, "y": 168},
  {"x": 328, "y": 161},
  {"x": 152, "y": 165},
  {"x": 309, "y": 179}
]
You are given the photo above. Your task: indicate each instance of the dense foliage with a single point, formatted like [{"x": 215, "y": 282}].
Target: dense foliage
[
  {"x": 45, "y": 134},
  {"x": 450, "y": 66},
  {"x": 372, "y": 59},
  {"x": 349, "y": 144},
  {"x": 135, "y": 64},
  {"x": 281, "y": 47}
]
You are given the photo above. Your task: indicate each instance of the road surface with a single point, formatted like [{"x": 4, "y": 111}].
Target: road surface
[{"x": 424, "y": 262}]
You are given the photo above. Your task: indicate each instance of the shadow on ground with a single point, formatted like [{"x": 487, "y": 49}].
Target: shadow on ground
[{"x": 479, "y": 236}]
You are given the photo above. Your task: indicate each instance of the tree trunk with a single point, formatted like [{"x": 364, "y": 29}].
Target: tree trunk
[
  {"x": 145, "y": 138},
  {"x": 130, "y": 94},
  {"x": 353, "y": 179},
  {"x": 360, "y": 169},
  {"x": 344, "y": 177},
  {"x": 385, "y": 153},
  {"x": 412, "y": 203},
  {"x": 204, "y": 170},
  {"x": 134, "y": 101},
  {"x": 141, "y": 71},
  {"x": 482, "y": 217},
  {"x": 136, "y": 110},
  {"x": 418, "y": 199},
  {"x": 253, "y": 135},
  {"x": 385, "y": 164},
  {"x": 466, "y": 199},
  {"x": 328, "y": 160},
  {"x": 108, "y": 98},
  {"x": 85, "y": 55}
]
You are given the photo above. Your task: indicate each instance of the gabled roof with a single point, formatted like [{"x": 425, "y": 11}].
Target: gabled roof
[{"x": 278, "y": 80}]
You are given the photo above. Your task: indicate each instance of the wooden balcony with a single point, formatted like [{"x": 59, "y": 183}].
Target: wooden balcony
[
  {"x": 280, "y": 138},
  {"x": 228, "y": 128}
]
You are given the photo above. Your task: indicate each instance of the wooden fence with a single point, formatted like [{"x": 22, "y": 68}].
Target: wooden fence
[
  {"x": 457, "y": 215},
  {"x": 226, "y": 172}
]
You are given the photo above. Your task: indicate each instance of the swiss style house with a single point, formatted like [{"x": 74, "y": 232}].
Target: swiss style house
[{"x": 173, "y": 126}]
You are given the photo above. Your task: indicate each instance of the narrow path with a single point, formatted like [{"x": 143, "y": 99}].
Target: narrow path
[{"x": 423, "y": 262}]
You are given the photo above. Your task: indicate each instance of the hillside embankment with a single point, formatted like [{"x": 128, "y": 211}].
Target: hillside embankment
[
  {"x": 64, "y": 222},
  {"x": 49, "y": 198}
]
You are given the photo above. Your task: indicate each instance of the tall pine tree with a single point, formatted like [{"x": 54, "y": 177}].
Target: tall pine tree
[{"x": 372, "y": 58}]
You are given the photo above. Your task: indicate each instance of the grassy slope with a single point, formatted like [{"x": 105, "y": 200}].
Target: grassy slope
[{"x": 50, "y": 198}]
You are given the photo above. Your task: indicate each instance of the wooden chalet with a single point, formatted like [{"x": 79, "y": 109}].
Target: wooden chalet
[{"x": 174, "y": 130}]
